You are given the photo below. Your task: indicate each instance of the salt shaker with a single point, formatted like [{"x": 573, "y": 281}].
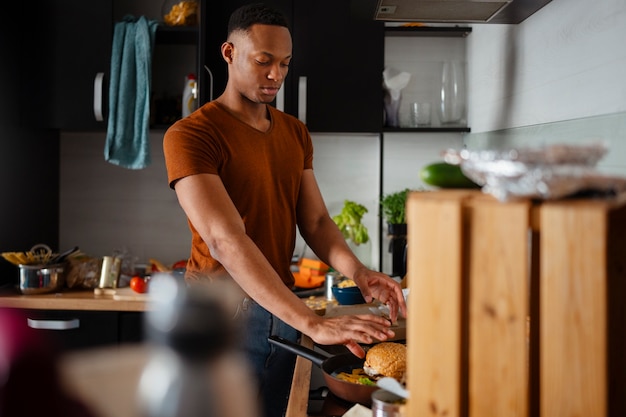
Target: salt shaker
[{"x": 331, "y": 280}]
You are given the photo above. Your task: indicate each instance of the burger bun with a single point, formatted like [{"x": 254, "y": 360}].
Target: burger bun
[{"x": 386, "y": 359}]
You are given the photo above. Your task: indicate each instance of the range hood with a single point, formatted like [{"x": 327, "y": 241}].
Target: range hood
[{"x": 456, "y": 11}]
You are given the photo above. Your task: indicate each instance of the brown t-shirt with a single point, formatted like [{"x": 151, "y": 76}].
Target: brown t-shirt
[{"x": 261, "y": 171}]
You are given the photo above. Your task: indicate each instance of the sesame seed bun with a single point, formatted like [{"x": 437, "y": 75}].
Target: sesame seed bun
[{"x": 386, "y": 359}]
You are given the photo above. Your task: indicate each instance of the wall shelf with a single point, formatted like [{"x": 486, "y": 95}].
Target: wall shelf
[
  {"x": 428, "y": 31},
  {"x": 177, "y": 35},
  {"x": 427, "y": 129}
]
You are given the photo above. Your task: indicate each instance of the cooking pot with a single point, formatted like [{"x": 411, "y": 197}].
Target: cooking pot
[
  {"x": 331, "y": 366},
  {"x": 41, "y": 279}
]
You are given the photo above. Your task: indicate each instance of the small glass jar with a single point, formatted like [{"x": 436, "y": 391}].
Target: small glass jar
[
  {"x": 180, "y": 12},
  {"x": 386, "y": 404}
]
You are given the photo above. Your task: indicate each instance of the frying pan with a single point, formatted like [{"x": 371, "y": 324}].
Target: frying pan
[{"x": 331, "y": 366}]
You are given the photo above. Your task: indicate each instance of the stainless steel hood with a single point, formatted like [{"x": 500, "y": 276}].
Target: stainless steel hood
[{"x": 456, "y": 11}]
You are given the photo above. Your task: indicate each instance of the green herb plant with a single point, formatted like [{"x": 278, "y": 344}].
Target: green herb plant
[
  {"x": 349, "y": 222},
  {"x": 394, "y": 207}
]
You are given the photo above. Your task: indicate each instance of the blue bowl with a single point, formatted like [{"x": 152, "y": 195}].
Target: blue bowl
[{"x": 348, "y": 295}]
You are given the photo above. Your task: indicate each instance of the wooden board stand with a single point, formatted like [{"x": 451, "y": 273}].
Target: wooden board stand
[{"x": 516, "y": 309}]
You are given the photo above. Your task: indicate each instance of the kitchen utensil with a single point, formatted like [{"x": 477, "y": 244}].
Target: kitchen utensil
[
  {"x": 331, "y": 366},
  {"x": 392, "y": 385},
  {"x": 41, "y": 279},
  {"x": 61, "y": 257}
]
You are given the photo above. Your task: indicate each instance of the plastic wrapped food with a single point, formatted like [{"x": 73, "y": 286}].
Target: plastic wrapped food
[
  {"x": 180, "y": 13},
  {"x": 83, "y": 272},
  {"x": 549, "y": 172}
]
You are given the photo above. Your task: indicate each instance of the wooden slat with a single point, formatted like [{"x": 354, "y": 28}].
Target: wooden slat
[
  {"x": 434, "y": 372},
  {"x": 573, "y": 310},
  {"x": 299, "y": 394},
  {"x": 498, "y": 280}
]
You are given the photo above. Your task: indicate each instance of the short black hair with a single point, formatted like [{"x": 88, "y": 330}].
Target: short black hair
[{"x": 257, "y": 13}]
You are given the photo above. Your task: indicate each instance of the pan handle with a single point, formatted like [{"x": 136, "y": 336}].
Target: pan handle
[{"x": 316, "y": 357}]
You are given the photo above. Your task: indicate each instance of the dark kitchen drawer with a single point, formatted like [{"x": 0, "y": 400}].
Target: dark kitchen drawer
[{"x": 70, "y": 329}]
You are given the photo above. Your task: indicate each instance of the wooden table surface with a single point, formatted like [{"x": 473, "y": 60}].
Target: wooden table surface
[{"x": 70, "y": 300}]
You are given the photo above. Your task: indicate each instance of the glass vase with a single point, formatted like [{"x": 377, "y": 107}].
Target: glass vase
[{"x": 452, "y": 106}]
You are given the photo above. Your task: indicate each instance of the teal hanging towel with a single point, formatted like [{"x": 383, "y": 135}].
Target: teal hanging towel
[{"x": 128, "y": 129}]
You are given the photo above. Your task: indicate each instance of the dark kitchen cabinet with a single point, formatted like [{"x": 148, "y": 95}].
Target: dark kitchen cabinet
[
  {"x": 73, "y": 329},
  {"x": 80, "y": 40},
  {"x": 338, "y": 66},
  {"x": 334, "y": 83}
]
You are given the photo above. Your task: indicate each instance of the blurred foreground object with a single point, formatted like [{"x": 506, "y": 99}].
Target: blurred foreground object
[
  {"x": 194, "y": 369},
  {"x": 548, "y": 172}
]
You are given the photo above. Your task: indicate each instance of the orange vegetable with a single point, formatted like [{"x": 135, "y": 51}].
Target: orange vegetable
[
  {"x": 308, "y": 272},
  {"x": 313, "y": 264},
  {"x": 302, "y": 281}
]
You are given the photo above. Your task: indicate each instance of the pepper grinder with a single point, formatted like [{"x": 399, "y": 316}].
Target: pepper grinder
[{"x": 191, "y": 334}]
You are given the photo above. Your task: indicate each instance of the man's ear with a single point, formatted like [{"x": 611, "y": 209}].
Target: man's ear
[{"x": 228, "y": 52}]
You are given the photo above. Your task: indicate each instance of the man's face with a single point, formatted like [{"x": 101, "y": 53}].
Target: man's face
[{"x": 260, "y": 62}]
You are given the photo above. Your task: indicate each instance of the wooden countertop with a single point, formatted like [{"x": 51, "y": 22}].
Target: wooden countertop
[{"x": 69, "y": 300}]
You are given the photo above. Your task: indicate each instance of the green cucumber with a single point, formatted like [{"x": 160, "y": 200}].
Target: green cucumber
[{"x": 444, "y": 175}]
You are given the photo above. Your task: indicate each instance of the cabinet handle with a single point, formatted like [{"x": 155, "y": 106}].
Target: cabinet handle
[
  {"x": 97, "y": 96},
  {"x": 54, "y": 324},
  {"x": 302, "y": 85},
  {"x": 210, "y": 83},
  {"x": 280, "y": 99}
]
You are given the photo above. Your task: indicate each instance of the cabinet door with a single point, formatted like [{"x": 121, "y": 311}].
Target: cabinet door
[
  {"x": 341, "y": 55},
  {"x": 131, "y": 327},
  {"x": 82, "y": 36}
]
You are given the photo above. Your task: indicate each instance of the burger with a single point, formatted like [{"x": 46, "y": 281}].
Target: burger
[{"x": 386, "y": 359}]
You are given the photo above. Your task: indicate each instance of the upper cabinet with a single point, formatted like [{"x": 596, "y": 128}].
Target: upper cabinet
[
  {"x": 81, "y": 43},
  {"x": 335, "y": 82},
  {"x": 80, "y": 40},
  {"x": 337, "y": 68}
]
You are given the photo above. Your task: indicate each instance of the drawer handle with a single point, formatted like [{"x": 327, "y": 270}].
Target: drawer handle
[{"x": 54, "y": 324}]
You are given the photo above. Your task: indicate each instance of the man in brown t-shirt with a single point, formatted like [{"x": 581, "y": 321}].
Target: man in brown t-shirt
[{"x": 243, "y": 174}]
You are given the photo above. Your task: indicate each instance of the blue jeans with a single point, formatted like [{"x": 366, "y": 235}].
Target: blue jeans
[{"x": 272, "y": 365}]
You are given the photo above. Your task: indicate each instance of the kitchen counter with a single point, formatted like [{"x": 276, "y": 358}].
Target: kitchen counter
[
  {"x": 86, "y": 300},
  {"x": 70, "y": 300}
]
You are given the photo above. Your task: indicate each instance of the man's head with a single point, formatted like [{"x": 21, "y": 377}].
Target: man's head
[
  {"x": 252, "y": 14},
  {"x": 258, "y": 52}
]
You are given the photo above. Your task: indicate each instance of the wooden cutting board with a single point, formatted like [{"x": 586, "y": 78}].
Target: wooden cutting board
[
  {"x": 122, "y": 294},
  {"x": 399, "y": 327}
]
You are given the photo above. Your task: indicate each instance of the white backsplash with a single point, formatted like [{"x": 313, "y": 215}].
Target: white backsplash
[{"x": 106, "y": 208}]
